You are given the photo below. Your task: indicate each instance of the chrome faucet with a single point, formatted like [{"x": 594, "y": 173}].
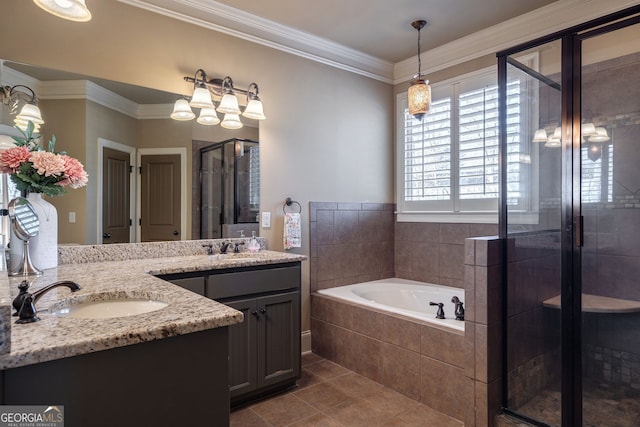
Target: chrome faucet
[{"x": 27, "y": 312}]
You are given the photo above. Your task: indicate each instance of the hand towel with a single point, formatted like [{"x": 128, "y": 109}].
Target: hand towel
[{"x": 292, "y": 230}]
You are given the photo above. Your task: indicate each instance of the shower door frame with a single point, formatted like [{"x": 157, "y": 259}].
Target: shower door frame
[{"x": 571, "y": 205}]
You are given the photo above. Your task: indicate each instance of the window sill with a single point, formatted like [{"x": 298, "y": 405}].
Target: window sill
[{"x": 449, "y": 217}]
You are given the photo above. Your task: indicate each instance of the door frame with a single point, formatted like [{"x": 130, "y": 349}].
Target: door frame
[
  {"x": 182, "y": 152},
  {"x": 102, "y": 144}
]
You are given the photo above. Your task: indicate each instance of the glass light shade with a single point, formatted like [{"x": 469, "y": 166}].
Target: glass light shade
[
  {"x": 540, "y": 136},
  {"x": 254, "y": 110},
  {"x": 73, "y": 10},
  {"x": 231, "y": 121},
  {"x": 587, "y": 129},
  {"x": 229, "y": 104},
  {"x": 201, "y": 98},
  {"x": 22, "y": 124},
  {"x": 601, "y": 135},
  {"x": 419, "y": 95},
  {"x": 30, "y": 112},
  {"x": 552, "y": 142},
  {"x": 182, "y": 111},
  {"x": 208, "y": 117}
]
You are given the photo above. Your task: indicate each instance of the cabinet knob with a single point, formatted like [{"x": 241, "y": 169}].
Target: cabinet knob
[
  {"x": 255, "y": 313},
  {"x": 263, "y": 310}
]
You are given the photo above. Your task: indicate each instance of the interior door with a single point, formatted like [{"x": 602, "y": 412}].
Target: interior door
[
  {"x": 160, "y": 197},
  {"x": 116, "y": 212}
]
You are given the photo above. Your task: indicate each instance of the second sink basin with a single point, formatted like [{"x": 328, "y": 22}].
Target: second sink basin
[{"x": 106, "y": 306}]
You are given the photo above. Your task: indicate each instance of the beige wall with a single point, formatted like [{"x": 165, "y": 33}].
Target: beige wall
[{"x": 328, "y": 133}]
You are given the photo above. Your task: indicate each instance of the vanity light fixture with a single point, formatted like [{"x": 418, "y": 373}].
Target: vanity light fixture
[
  {"x": 587, "y": 130},
  {"x": 419, "y": 94},
  {"x": 73, "y": 10},
  {"x": 14, "y": 96},
  {"x": 223, "y": 90}
]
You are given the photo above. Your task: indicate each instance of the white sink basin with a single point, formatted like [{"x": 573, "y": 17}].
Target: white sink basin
[{"x": 106, "y": 308}]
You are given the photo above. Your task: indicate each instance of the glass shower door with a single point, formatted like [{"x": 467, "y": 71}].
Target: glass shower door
[
  {"x": 534, "y": 195},
  {"x": 610, "y": 198}
]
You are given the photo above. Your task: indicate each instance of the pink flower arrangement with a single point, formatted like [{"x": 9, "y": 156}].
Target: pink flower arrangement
[{"x": 37, "y": 171}]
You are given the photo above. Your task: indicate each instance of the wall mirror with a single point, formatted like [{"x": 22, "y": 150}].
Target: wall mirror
[{"x": 114, "y": 128}]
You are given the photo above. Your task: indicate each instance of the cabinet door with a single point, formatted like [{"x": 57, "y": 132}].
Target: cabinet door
[
  {"x": 278, "y": 338},
  {"x": 242, "y": 349}
]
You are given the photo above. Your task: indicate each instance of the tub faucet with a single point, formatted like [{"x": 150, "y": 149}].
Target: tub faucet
[
  {"x": 440, "y": 313},
  {"x": 459, "y": 308},
  {"x": 27, "y": 312}
]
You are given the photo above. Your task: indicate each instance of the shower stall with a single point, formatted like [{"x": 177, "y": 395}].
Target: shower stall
[
  {"x": 570, "y": 223},
  {"x": 229, "y": 188}
]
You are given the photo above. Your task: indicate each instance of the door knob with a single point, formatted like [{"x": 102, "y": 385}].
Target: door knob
[
  {"x": 106, "y": 236},
  {"x": 175, "y": 232}
]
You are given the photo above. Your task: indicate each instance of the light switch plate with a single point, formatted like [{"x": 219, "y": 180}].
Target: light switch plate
[
  {"x": 266, "y": 220},
  {"x": 72, "y": 217}
]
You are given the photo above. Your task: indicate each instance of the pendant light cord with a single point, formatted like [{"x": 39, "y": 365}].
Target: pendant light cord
[{"x": 419, "y": 60}]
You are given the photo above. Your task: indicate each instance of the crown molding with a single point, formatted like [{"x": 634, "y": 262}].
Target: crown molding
[
  {"x": 540, "y": 22},
  {"x": 11, "y": 77},
  {"x": 225, "y": 19}
]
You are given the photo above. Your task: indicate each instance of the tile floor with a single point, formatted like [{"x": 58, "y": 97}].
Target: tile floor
[{"x": 329, "y": 395}]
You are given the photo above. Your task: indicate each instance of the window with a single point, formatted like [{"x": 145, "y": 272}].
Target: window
[{"x": 448, "y": 163}]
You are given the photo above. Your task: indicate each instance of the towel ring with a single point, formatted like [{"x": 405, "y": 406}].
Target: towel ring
[{"x": 289, "y": 202}]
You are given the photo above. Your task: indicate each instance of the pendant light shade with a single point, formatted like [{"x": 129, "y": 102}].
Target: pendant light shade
[
  {"x": 208, "y": 117},
  {"x": 231, "y": 121},
  {"x": 73, "y": 10},
  {"x": 419, "y": 98},
  {"x": 419, "y": 94},
  {"x": 182, "y": 110}
]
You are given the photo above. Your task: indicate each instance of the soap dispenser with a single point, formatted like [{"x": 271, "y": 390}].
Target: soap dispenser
[{"x": 253, "y": 245}]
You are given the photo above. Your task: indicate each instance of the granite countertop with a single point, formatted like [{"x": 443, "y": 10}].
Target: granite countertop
[{"x": 58, "y": 337}]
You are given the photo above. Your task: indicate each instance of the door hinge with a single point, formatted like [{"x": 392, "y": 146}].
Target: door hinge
[
  {"x": 130, "y": 169},
  {"x": 140, "y": 170},
  {"x": 140, "y": 221},
  {"x": 130, "y": 222}
]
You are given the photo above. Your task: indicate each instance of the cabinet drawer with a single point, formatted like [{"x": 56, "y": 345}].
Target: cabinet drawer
[{"x": 228, "y": 285}]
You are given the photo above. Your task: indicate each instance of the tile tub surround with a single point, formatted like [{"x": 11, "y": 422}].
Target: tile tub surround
[
  {"x": 443, "y": 369},
  {"x": 53, "y": 338},
  {"x": 350, "y": 243}
]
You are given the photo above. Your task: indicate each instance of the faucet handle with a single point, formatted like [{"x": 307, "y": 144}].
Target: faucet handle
[
  {"x": 27, "y": 313},
  {"x": 19, "y": 299},
  {"x": 209, "y": 248},
  {"x": 440, "y": 313},
  {"x": 241, "y": 234}
]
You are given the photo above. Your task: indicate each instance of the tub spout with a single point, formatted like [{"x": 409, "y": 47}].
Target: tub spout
[
  {"x": 459, "y": 308},
  {"x": 440, "y": 313}
]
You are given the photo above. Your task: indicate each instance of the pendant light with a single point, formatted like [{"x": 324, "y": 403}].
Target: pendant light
[
  {"x": 73, "y": 10},
  {"x": 419, "y": 94}
]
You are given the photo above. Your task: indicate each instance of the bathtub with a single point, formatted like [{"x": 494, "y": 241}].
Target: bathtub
[{"x": 408, "y": 298}]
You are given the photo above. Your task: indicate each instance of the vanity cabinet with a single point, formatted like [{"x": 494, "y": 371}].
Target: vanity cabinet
[{"x": 264, "y": 350}]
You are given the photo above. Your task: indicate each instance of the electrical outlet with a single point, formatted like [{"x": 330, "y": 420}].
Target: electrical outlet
[
  {"x": 72, "y": 217},
  {"x": 266, "y": 219}
]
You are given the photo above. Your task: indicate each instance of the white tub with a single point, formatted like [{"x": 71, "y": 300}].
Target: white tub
[{"x": 406, "y": 297}]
